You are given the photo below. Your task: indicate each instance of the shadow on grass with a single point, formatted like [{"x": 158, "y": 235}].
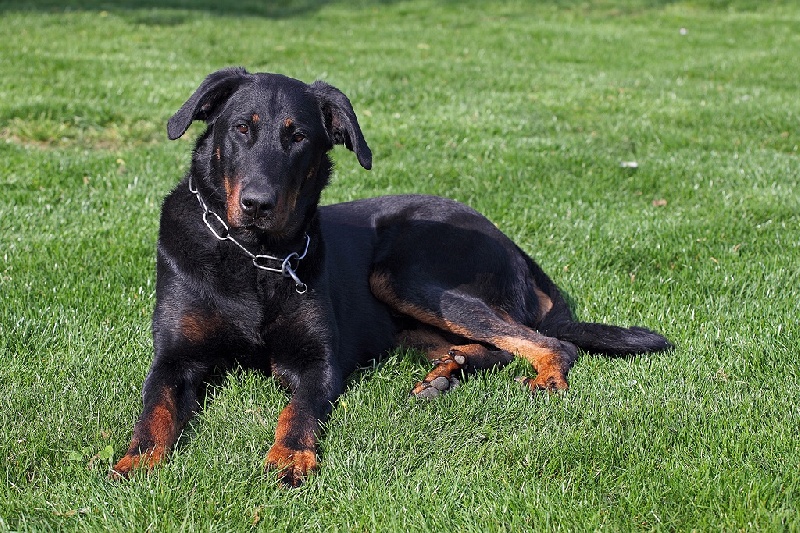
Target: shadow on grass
[
  {"x": 166, "y": 12},
  {"x": 163, "y": 12}
]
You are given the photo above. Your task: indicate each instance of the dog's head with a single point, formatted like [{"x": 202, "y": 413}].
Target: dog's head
[{"x": 266, "y": 143}]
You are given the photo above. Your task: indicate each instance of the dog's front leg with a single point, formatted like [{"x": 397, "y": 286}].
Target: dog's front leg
[
  {"x": 294, "y": 453},
  {"x": 170, "y": 398}
]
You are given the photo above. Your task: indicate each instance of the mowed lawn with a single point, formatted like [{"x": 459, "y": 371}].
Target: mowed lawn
[{"x": 532, "y": 112}]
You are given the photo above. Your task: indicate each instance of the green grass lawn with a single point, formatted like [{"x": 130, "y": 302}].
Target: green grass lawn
[{"x": 524, "y": 110}]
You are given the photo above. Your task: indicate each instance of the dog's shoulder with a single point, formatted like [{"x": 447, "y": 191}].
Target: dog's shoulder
[
  {"x": 188, "y": 249},
  {"x": 181, "y": 225}
]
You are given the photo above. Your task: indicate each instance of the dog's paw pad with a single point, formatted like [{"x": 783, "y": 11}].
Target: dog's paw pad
[
  {"x": 432, "y": 389},
  {"x": 457, "y": 357},
  {"x": 425, "y": 391},
  {"x": 441, "y": 378},
  {"x": 441, "y": 383}
]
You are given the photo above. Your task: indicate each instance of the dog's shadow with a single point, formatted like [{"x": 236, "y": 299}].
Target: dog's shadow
[{"x": 176, "y": 12}]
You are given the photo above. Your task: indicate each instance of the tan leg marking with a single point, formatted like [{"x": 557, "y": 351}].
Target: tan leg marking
[
  {"x": 547, "y": 355},
  {"x": 159, "y": 429},
  {"x": 292, "y": 465}
]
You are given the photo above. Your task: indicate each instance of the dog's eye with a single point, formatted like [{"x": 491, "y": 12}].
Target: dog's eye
[
  {"x": 298, "y": 137},
  {"x": 243, "y": 128}
]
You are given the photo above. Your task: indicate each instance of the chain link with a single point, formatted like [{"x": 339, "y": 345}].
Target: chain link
[{"x": 222, "y": 233}]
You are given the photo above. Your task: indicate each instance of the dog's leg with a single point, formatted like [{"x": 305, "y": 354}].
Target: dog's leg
[
  {"x": 471, "y": 318},
  {"x": 170, "y": 398},
  {"x": 550, "y": 357},
  {"x": 450, "y": 360},
  {"x": 294, "y": 454}
]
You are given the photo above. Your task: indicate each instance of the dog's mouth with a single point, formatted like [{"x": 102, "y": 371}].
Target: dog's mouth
[
  {"x": 274, "y": 223},
  {"x": 264, "y": 224}
]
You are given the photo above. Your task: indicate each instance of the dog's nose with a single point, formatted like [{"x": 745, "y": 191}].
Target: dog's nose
[{"x": 256, "y": 203}]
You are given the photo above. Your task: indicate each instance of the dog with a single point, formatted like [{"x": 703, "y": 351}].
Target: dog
[{"x": 252, "y": 272}]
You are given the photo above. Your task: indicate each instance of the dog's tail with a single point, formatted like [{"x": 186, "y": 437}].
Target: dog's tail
[
  {"x": 592, "y": 337},
  {"x": 604, "y": 338}
]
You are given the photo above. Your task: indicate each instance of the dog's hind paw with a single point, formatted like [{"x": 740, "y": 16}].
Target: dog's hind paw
[
  {"x": 441, "y": 378},
  {"x": 434, "y": 388},
  {"x": 543, "y": 382}
]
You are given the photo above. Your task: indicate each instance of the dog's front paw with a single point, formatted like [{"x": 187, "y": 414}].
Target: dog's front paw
[
  {"x": 291, "y": 466},
  {"x": 133, "y": 461}
]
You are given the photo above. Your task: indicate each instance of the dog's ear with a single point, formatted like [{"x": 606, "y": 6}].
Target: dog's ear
[
  {"x": 341, "y": 122},
  {"x": 206, "y": 100}
]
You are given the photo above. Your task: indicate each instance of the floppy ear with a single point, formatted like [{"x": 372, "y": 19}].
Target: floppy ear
[
  {"x": 341, "y": 122},
  {"x": 206, "y": 100}
]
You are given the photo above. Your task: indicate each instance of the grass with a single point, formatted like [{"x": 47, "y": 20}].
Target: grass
[{"x": 524, "y": 111}]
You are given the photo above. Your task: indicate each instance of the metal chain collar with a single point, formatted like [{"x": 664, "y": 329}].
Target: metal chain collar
[{"x": 222, "y": 233}]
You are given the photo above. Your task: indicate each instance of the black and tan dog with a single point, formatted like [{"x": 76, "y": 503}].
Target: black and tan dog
[{"x": 252, "y": 272}]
